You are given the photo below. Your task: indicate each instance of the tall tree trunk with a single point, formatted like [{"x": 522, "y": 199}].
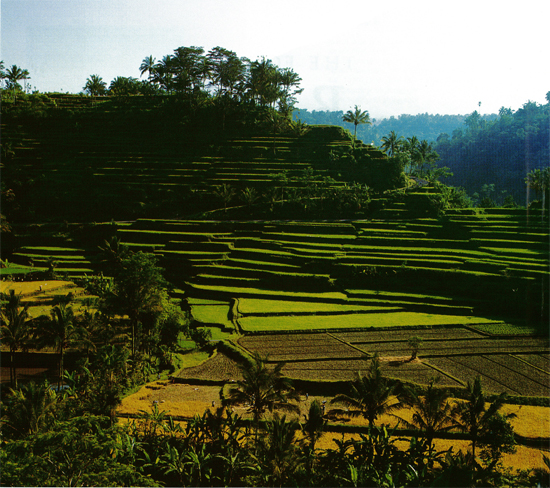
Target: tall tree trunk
[
  {"x": 13, "y": 370},
  {"x": 62, "y": 353}
]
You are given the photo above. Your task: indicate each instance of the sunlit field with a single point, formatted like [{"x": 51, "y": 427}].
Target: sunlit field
[{"x": 181, "y": 400}]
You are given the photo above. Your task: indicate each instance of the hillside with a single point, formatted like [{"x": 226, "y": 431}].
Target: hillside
[
  {"x": 76, "y": 158},
  {"x": 177, "y": 176}
]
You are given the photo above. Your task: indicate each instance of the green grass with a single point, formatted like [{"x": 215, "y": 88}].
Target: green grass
[
  {"x": 218, "y": 334},
  {"x": 381, "y": 294},
  {"x": 193, "y": 358},
  {"x": 201, "y": 301},
  {"x": 212, "y": 314},
  {"x": 239, "y": 291},
  {"x": 512, "y": 251},
  {"x": 255, "y": 264},
  {"x": 399, "y": 319},
  {"x": 259, "y": 306},
  {"x": 15, "y": 269},
  {"x": 43, "y": 257},
  {"x": 52, "y": 249}
]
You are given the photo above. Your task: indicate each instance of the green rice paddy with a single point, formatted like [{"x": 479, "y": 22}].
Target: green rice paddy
[
  {"x": 353, "y": 321},
  {"x": 259, "y": 306}
]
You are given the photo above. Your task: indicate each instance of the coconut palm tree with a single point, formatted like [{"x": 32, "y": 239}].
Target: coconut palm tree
[
  {"x": 278, "y": 452},
  {"x": 356, "y": 117},
  {"x": 370, "y": 397},
  {"x": 29, "y": 408},
  {"x": 312, "y": 429},
  {"x": 433, "y": 411},
  {"x": 249, "y": 196},
  {"x": 539, "y": 180},
  {"x": 61, "y": 331},
  {"x": 2, "y": 74},
  {"x": 425, "y": 155},
  {"x": 226, "y": 193},
  {"x": 392, "y": 143},
  {"x": 14, "y": 75},
  {"x": 95, "y": 86},
  {"x": 147, "y": 66},
  {"x": 473, "y": 416},
  {"x": 15, "y": 331},
  {"x": 262, "y": 388},
  {"x": 314, "y": 425},
  {"x": 411, "y": 146}
]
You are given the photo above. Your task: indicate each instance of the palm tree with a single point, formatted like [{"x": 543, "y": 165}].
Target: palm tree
[
  {"x": 61, "y": 332},
  {"x": 249, "y": 196},
  {"x": 147, "y": 66},
  {"x": 95, "y": 86},
  {"x": 114, "y": 251},
  {"x": 314, "y": 424},
  {"x": 391, "y": 143},
  {"x": 411, "y": 145},
  {"x": 30, "y": 407},
  {"x": 163, "y": 73},
  {"x": 425, "y": 154},
  {"x": 356, "y": 117},
  {"x": 312, "y": 430},
  {"x": 226, "y": 193},
  {"x": 539, "y": 180},
  {"x": 14, "y": 75},
  {"x": 433, "y": 411},
  {"x": 2, "y": 74},
  {"x": 473, "y": 416},
  {"x": 278, "y": 451},
  {"x": 262, "y": 388},
  {"x": 15, "y": 331},
  {"x": 371, "y": 395}
]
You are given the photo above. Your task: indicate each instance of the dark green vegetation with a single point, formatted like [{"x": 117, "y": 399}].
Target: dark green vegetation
[
  {"x": 488, "y": 155},
  {"x": 192, "y": 207},
  {"x": 221, "y": 448},
  {"x": 491, "y": 158}
]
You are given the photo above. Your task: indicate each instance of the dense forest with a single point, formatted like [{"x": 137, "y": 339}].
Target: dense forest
[
  {"x": 492, "y": 158},
  {"x": 487, "y": 155}
]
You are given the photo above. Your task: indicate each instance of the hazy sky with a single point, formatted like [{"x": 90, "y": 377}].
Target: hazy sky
[{"x": 387, "y": 56}]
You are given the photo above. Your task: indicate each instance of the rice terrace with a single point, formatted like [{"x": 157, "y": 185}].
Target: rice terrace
[{"x": 180, "y": 238}]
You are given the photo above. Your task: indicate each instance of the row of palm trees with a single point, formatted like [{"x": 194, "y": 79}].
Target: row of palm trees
[
  {"x": 419, "y": 156},
  {"x": 221, "y": 448},
  {"x": 219, "y": 73},
  {"x": 19, "y": 333},
  {"x": 265, "y": 389}
]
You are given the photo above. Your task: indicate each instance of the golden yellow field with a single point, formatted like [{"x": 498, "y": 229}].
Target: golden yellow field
[
  {"x": 188, "y": 400},
  {"x": 524, "y": 457},
  {"x": 26, "y": 287}
]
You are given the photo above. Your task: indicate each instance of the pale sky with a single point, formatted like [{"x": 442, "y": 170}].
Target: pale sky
[{"x": 388, "y": 56}]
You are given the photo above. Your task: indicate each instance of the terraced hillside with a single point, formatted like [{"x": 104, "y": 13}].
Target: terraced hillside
[
  {"x": 276, "y": 244},
  {"x": 80, "y": 160},
  {"x": 460, "y": 266}
]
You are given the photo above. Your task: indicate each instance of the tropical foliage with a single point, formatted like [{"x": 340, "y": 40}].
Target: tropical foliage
[
  {"x": 371, "y": 396},
  {"x": 499, "y": 151},
  {"x": 15, "y": 332}
]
